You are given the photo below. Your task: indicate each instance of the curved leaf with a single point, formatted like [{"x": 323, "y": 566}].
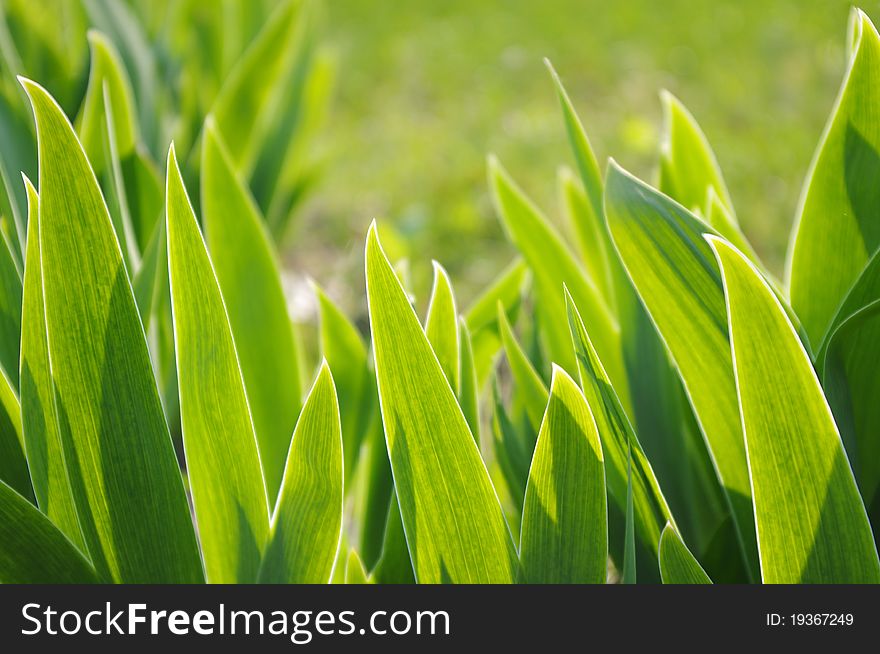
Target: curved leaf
[
  {"x": 677, "y": 564},
  {"x": 126, "y": 482},
  {"x": 223, "y": 461},
  {"x": 454, "y": 525},
  {"x": 564, "y": 524},
  {"x": 250, "y": 281},
  {"x": 33, "y": 550},
  {"x": 811, "y": 522},
  {"x": 469, "y": 389},
  {"x": 838, "y": 228},
  {"x": 441, "y": 326},
  {"x": 528, "y": 383},
  {"x": 672, "y": 267},
  {"x": 307, "y": 522}
]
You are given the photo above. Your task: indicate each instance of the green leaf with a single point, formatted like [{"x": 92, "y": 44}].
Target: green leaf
[
  {"x": 837, "y": 229},
  {"x": 394, "y": 566},
  {"x": 589, "y": 229},
  {"x": 482, "y": 315},
  {"x": 13, "y": 465},
  {"x": 307, "y": 522},
  {"x": 469, "y": 389},
  {"x": 148, "y": 280},
  {"x": 10, "y": 311},
  {"x": 223, "y": 461},
  {"x": 628, "y": 576},
  {"x": 33, "y": 550},
  {"x": 441, "y": 326},
  {"x": 527, "y": 381},
  {"x": 250, "y": 86},
  {"x": 126, "y": 482},
  {"x": 355, "y": 574},
  {"x": 453, "y": 521},
  {"x": 377, "y": 494},
  {"x": 346, "y": 354},
  {"x": 671, "y": 266},
  {"x": 677, "y": 564},
  {"x": 513, "y": 450},
  {"x": 250, "y": 280},
  {"x": 626, "y": 466},
  {"x": 811, "y": 522},
  {"x": 564, "y": 524},
  {"x": 42, "y": 439},
  {"x": 688, "y": 168},
  {"x": 553, "y": 265},
  {"x": 107, "y": 70}
]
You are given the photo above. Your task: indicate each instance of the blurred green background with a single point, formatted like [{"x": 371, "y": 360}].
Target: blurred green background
[{"x": 425, "y": 89}]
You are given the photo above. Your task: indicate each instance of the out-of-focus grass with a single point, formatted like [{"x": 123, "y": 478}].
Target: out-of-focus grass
[{"x": 426, "y": 89}]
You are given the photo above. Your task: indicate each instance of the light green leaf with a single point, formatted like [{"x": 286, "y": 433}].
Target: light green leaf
[
  {"x": 125, "y": 479},
  {"x": 482, "y": 315},
  {"x": 346, "y": 354},
  {"x": 394, "y": 566},
  {"x": 441, "y": 326},
  {"x": 377, "y": 494},
  {"x": 628, "y": 575},
  {"x": 589, "y": 229},
  {"x": 307, "y": 522},
  {"x": 13, "y": 465},
  {"x": 355, "y": 574},
  {"x": 33, "y": 550},
  {"x": 107, "y": 70},
  {"x": 42, "y": 440},
  {"x": 249, "y": 88},
  {"x": 688, "y": 168},
  {"x": 250, "y": 280},
  {"x": 564, "y": 524},
  {"x": 469, "y": 389},
  {"x": 677, "y": 564},
  {"x": 837, "y": 229},
  {"x": 10, "y": 311},
  {"x": 148, "y": 280},
  {"x": 453, "y": 521},
  {"x": 651, "y": 511},
  {"x": 513, "y": 450},
  {"x": 223, "y": 461},
  {"x": 811, "y": 522},
  {"x": 662, "y": 247},
  {"x": 527, "y": 382},
  {"x": 553, "y": 265}
]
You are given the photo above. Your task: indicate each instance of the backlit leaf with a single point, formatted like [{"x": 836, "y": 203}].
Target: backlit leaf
[{"x": 677, "y": 564}]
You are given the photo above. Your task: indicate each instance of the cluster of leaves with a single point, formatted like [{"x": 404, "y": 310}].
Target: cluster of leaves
[{"x": 700, "y": 421}]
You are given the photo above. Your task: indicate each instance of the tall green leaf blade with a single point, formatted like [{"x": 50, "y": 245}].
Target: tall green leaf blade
[
  {"x": 10, "y": 311},
  {"x": 837, "y": 229},
  {"x": 651, "y": 511},
  {"x": 13, "y": 465},
  {"x": 355, "y": 574},
  {"x": 346, "y": 354},
  {"x": 553, "y": 265},
  {"x": 307, "y": 521},
  {"x": 564, "y": 524},
  {"x": 811, "y": 522},
  {"x": 250, "y": 280},
  {"x": 222, "y": 456},
  {"x": 662, "y": 247},
  {"x": 688, "y": 167},
  {"x": 469, "y": 389},
  {"x": 677, "y": 564},
  {"x": 126, "y": 482},
  {"x": 453, "y": 522},
  {"x": 33, "y": 550},
  {"x": 441, "y": 326},
  {"x": 527, "y": 382},
  {"x": 42, "y": 439}
]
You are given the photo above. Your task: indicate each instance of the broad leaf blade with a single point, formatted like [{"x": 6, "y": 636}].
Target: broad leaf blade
[
  {"x": 33, "y": 550},
  {"x": 618, "y": 439},
  {"x": 124, "y": 474},
  {"x": 226, "y": 480},
  {"x": 307, "y": 522},
  {"x": 564, "y": 524},
  {"x": 662, "y": 247},
  {"x": 453, "y": 522},
  {"x": 250, "y": 280},
  {"x": 677, "y": 564},
  {"x": 837, "y": 228},
  {"x": 811, "y": 522},
  {"x": 42, "y": 438}
]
